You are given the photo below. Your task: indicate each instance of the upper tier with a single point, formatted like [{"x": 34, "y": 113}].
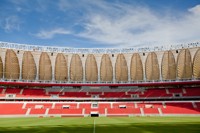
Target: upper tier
[{"x": 28, "y": 62}]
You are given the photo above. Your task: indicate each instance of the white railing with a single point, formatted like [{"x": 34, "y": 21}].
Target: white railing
[
  {"x": 27, "y": 47},
  {"x": 98, "y": 82}
]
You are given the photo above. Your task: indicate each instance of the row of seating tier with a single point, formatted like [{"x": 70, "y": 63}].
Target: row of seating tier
[
  {"x": 13, "y": 90},
  {"x": 127, "y": 111},
  {"x": 192, "y": 92},
  {"x": 35, "y": 92},
  {"x": 142, "y": 94},
  {"x": 12, "y": 109},
  {"x": 107, "y": 108},
  {"x": 65, "y": 111}
]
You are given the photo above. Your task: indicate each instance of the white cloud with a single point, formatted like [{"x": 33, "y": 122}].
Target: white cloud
[
  {"x": 11, "y": 23},
  {"x": 48, "y": 34},
  {"x": 132, "y": 26},
  {"x": 195, "y": 10}
]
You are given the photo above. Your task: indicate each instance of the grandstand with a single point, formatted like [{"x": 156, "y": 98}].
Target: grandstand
[{"x": 42, "y": 81}]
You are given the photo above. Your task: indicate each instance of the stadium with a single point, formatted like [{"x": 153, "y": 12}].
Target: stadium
[
  {"x": 99, "y": 66},
  {"x": 54, "y": 83}
]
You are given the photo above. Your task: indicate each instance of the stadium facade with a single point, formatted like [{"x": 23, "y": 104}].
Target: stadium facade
[{"x": 128, "y": 65}]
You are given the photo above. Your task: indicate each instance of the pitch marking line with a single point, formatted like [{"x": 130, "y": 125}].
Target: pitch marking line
[{"x": 94, "y": 126}]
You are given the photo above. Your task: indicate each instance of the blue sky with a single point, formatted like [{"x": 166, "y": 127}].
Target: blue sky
[{"x": 100, "y": 23}]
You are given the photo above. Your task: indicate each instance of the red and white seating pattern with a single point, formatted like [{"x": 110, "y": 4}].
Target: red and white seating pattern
[{"x": 103, "y": 108}]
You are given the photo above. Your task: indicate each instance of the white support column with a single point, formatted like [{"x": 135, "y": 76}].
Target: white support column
[
  {"x": 3, "y": 54},
  {"x": 175, "y": 56},
  {"x": 36, "y": 56},
  {"x": 98, "y": 60},
  {"x": 113, "y": 60},
  {"x": 143, "y": 59},
  {"x": 83, "y": 59},
  {"x": 53, "y": 60},
  {"x": 128, "y": 60},
  {"x": 20, "y": 58},
  {"x": 68, "y": 66},
  {"x": 159, "y": 57}
]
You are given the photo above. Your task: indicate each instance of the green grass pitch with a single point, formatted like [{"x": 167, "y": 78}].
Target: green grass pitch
[{"x": 101, "y": 125}]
